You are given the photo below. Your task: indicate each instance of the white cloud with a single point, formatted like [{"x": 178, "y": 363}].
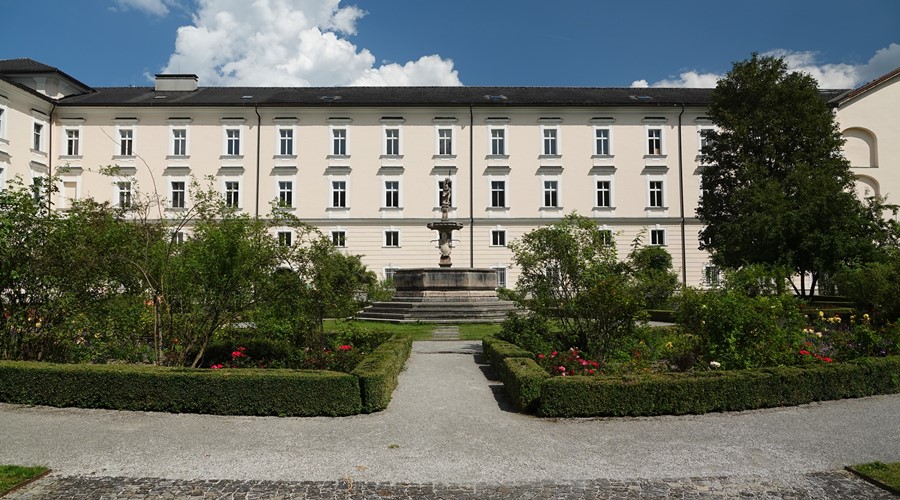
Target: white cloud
[
  {"x": 289, "y": 43},
  {"x": 153, "y": 7},
  {"x": 829, "y": 76}
]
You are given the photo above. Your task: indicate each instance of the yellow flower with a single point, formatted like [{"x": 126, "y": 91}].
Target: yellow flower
[
  {"x": 821, "y": 314},
  {"x": 668, "y": 345}
]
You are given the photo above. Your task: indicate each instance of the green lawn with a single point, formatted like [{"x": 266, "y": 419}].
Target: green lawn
[
  {"x": 14, "y": 475},
  {"x": 888, "y": 474},
  {"x": 422, "y": 331}
]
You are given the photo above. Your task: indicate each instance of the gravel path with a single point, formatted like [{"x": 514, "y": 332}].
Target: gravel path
[{"x": 448, "y": 425}]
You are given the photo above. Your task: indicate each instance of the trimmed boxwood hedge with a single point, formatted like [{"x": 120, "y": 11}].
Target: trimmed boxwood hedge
[
  {"x": 378, "y": 372},
  {"x": 522, "y": 380},
  {"x": 684, "y": 393},
  {"x": 181, "y": 390}
]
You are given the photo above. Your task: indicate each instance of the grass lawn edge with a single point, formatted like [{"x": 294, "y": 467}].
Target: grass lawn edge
[
  {"x": 872, "y": 480},
  {"x": 4, "y": 490}
]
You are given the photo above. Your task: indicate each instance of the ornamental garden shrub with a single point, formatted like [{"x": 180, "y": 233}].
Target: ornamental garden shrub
[{"x": 378, "y": 372}]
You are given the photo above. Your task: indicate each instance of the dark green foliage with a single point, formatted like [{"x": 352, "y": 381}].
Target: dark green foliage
[
  {"x": 531, "y": 332},
  {"x": 379, "y": 371},
  {"x": 874, "y": 287},
  {"x": 776, "y": 188},
  {"x": 522, "y": 379},
  {"x": 496, "y": 350},
  {"x": 740, "y": 331},
  {"x": 654, "y": 278},
  {"x": 692, "y": 393},
  {"x": 181, "y": 390}
]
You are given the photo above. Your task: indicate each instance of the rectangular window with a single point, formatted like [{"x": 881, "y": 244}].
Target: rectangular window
[
  {"x": 445, "y": 141},
  {"x": 392, "y": 194},
  {"x": 178, "y": 237},
  {"x": 339, "y": 194},
  {"x": 656, "y": 194},
  {"x": 339, "y": 238},
  {"x": 604, "y": 194},
  {"x": 551, "y": 193},
  {"x": 441, "y": 190},
  {"x": 72, "y": 140},
  {"x": 498, "y": 194},
  {"x": 178, "y": 194},
  {"x": 606, "y": 235},
  {"x": 285, "y": 238},
  {"x": 232, "y": 194},
  {"x": 126, "y": 142},
  {"x": 658, "y": 237},
  {"x": 2, "y": 122},
  {"x": 339, "y": 142},
  {"x": 601, "y": 136},
  {"x": 654, "y": 141},
  {"x": 286, "y": 142},
  {"x": 233, "y": 142},
  {"x": 498, "y": 238},
  {"x": 498, "y": 141},
  {"x": 38, "y": 142},
  {"x": 704, "y": 137},
  {"x": 285, "y": 193},
  {"x": 550, "y": 141},
  {"x": 392, "y": 141},
  {"x": 179, "y": 142},
  {"x": 501, "y": 276},
  {"x": 389, "y": 273},
  {"x": 392, "y": 238},
  {"x": 124, "y": 194},
  {"x": 712, "y": 276}
]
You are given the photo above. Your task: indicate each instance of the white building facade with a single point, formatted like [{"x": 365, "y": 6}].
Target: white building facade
[{"x": 366, "y": 165}]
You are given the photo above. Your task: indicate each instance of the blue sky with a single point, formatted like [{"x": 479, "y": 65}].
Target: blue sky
[{"x": 470, "y": 42}]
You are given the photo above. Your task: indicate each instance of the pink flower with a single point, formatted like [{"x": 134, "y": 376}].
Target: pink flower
[
  {"x": 345, "y": 347},
  {"x": 827, "y": 360},
  {"x": 553, "y": 354},
  {"x": 562, "y": 369},
  {"x": 804, "y": 352},
  {"x": 216, "y": 367},
  {"x": 540, "y": 356}
]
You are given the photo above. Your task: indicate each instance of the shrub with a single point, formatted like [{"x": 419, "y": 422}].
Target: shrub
[
  {"x": 740, "y": 331},
  {"x": 531, "y": 332},
  {"x": 522, "y": 379},
  {"x": 379, "y": 371},
  {"x": 873, "y": 288},
  {"x": 496, "y": 350},
  {"x": 181, "y": 390},
  {"x": 654, "y": 278}
]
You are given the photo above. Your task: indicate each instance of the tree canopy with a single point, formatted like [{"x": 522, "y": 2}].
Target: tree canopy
[{"x": 776, "y": 189}]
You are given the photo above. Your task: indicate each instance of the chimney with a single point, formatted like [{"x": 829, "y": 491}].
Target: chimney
[{"x": 176, "y": 83}]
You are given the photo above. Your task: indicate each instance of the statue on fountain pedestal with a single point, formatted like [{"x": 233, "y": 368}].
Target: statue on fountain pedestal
[{"x": 445, "y": 227}]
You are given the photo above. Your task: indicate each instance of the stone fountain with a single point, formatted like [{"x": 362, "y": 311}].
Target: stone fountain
[{"x": 442, "y": 294}]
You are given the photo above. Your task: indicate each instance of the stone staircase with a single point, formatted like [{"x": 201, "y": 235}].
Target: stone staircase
[{"x": 399, "y": 311}]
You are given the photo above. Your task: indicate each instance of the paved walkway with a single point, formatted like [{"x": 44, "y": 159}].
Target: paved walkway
[{"x": 449, "y": 434}]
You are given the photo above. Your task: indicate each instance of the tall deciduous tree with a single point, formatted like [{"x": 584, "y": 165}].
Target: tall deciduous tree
[{"x": 776, "y": 188}]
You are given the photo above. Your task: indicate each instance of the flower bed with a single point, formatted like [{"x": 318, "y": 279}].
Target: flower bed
[{"x": 245, "y": 391}]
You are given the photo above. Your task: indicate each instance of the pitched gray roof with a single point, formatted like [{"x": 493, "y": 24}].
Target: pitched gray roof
[{"x": 393, "y": 96}]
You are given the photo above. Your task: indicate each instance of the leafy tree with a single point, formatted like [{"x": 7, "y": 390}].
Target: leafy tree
[
  {"x": 655, "y": 280},
  {"x": 572, "y": 276},
  {"x": 776, "y": 189}
]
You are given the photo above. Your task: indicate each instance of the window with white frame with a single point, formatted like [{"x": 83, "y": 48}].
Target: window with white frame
[
  {"x": 179, "y": 142},
  {"x": 389, "y": 272},
  {"x": 440, "y": 190},
  {"x": 551, "y": 193},
  {"x": 498, "y": 238},
  {"x": 498, "y": 141},
  {"x": 703, "y": 136},
  {"x": 126, "y": 142},
  {"x": 73, "y": 142},
  {"x": 285, "y": 238},
  {"x": 68, "y": 193},
  {"x": 178, "y": 194},
  {"x": 339, "y": 238},
  {"x": 658, "y": 237},
  {"x": 339, "y": 141},
  {"x": 655, "y": 194},
  {"x": 123, "y": 194},
  {"x": 391, "y": 194},
  {"x": 233, "y": 141},
  {"x": 607, "y": 236},
  {"x": 285, "y": 194},
  {"x": 391, "y": 238},
  {"x": 550, "y": 141},
  {"x": 604, "y": 193},
  {"x": 339, "y": 194},
  {"x": 286, "y": 141},
  {"x": 501, "y": 276},
  {"x": 498, "y": 194},
  {"x": 445, "y": 141},
  {"x": 37, "y": 142},
  {"x": 654, "y": 141},
  {"x": 38, "y": 187},
  {"x": 2, "y": 122},
  {"x": 712, "y": 276},
  {"x": 392, "y": 141},
  {"x": 602, "y": 141},
  {"x": 178, "y": 237},
  {"x": 232, "y": 194}
]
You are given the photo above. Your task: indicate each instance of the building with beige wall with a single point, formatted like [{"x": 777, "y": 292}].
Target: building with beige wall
[{"x": 366, "y": 165}]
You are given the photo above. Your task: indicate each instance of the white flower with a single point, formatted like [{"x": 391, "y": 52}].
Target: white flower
[{"x": 715, "y": 364}]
